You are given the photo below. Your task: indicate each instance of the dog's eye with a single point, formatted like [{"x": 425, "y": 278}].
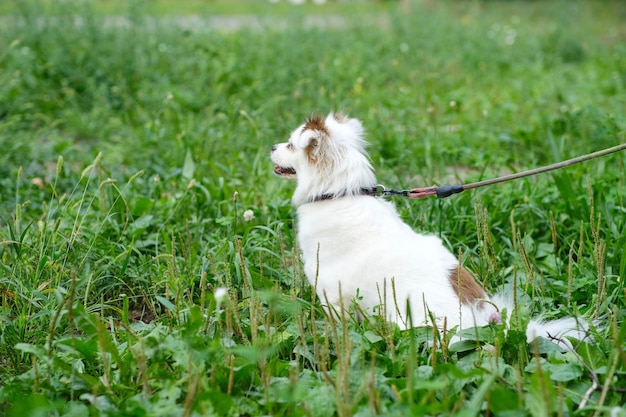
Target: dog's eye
[{"x": 289, "y": 145}]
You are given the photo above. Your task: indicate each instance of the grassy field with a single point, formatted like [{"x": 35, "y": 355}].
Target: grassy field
[
  {"x": 132, "y": 285},
  {"x": 204, "y": 7}
]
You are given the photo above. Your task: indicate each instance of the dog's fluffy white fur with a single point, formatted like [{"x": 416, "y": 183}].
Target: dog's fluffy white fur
[{"x": 355, "y": 247}]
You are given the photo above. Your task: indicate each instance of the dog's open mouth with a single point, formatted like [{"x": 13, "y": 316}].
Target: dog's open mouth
[{"x": 284, "y": 172}]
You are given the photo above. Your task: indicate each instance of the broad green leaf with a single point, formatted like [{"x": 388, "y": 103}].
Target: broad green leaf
[{"x": 372, "y": 337}]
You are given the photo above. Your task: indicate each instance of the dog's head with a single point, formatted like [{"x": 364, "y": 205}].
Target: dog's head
[{"x": 327, "y": 158}]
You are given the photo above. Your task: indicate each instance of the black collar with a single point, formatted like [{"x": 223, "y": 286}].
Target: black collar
[{"x": 373, "y": 191}]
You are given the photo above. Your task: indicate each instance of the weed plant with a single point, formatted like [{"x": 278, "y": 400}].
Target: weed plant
[{"x": 132, "y": 284}]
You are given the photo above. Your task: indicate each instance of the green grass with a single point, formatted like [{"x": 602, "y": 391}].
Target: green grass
[
  {"x": 130, "y": 153},
  {"x": 205, "y": 8}
]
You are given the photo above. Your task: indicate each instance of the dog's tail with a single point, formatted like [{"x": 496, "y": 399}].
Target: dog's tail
[{"x": 558, "y": 331}]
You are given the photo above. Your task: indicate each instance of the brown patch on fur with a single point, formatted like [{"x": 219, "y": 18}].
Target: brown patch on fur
[
  {"x": 465, "y": 286},
  {"x": 310, "y": 150},
  {"x": 316, "y": 122}
]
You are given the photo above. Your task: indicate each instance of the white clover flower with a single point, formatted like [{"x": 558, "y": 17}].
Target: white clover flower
[
  {"x": 495, "y": 318},
  {"x": 220, "y": 294},
  {"x": 511, "y": 35},
  {"x": 248, "y": 215}
]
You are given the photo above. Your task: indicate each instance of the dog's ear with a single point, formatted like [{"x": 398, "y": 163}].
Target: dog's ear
[
  {"x": 311, "y": 141},
  {"x": 313, "y": 132},
  {"x": 312, "y": 149}
]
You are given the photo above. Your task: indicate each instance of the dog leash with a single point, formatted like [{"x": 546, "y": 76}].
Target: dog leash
[{"x": 444, "y": 191}]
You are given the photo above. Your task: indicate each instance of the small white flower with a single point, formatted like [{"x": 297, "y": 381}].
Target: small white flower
[
  {"x": 452, "y": 103},
  {"x": 248, "y": 215},
  {"x": 220, "y": 294},
  {"x": 489, "y": 348},
  {"x": 495, "y": 318},
  {"x": 511, "y": 35}
]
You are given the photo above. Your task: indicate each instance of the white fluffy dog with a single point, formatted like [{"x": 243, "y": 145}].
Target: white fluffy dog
[{"x": 355, "y": 247}]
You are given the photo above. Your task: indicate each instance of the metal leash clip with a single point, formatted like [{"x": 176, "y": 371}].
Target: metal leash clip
[{"x": 381, "y": 191}]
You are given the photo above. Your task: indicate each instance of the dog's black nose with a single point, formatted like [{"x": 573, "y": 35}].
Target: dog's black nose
[{"x": 274, "y": 147}]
